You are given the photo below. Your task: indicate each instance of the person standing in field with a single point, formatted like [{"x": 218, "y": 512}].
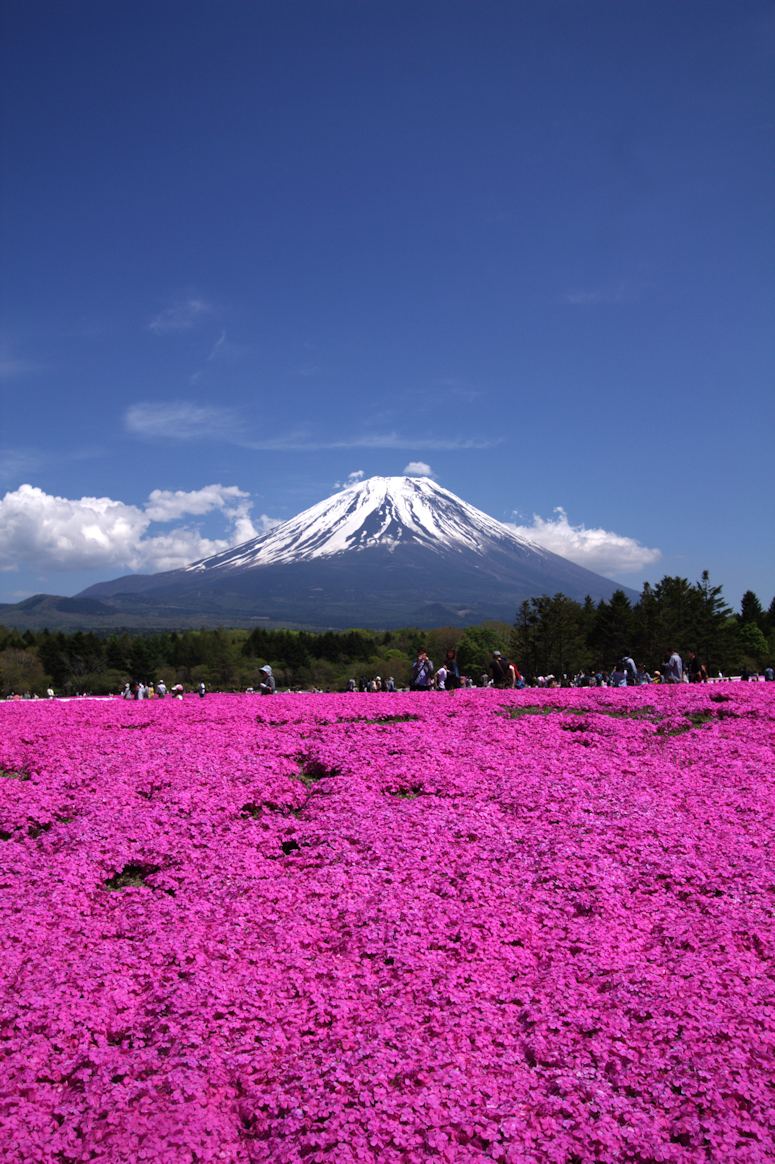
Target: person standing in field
[
  {"x": 673, "y": 670},
  {"x": 267, "y": 685},
  {"x": 502, "y": 675},
  {"x": 452, "y": 668},
  {"x": 422, "y": 673}
]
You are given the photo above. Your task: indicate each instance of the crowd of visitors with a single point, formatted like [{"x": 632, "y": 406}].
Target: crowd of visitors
[
  {"x": 503, "y": 673},
  {"x": 448, "y": 677},
  {"x": 139, "y": 690}
]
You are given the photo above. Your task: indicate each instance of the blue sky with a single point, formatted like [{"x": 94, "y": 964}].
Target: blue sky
[{"x": 250, "y": 249}]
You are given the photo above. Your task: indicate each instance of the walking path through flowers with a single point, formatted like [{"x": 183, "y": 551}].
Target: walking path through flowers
[{"x": 518, "y": 926}]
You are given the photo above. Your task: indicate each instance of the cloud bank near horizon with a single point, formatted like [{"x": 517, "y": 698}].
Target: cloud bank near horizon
[
  {"x": 599, "y": 550},
  {"x": 47, "y": 532}
]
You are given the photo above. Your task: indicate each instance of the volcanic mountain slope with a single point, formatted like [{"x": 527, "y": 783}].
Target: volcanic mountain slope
[{"x": 386, "y": 552}]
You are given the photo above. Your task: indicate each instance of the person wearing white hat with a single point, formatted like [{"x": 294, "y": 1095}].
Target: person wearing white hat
[{"x": 267, "y": 683}]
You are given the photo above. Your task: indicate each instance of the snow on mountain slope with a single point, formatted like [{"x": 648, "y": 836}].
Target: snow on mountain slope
[
  {"x": 386, "y": 552},
  {"x": 381, "y": 511}
]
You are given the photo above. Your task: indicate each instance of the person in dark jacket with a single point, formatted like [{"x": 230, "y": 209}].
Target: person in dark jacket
[
  {"x": 502, "y": 675},
  {"x": 453, "y": 669},
  {"x": 422, "y": 673}
]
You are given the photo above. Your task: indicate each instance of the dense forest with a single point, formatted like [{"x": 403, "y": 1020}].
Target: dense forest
[{"x": 550, "y": 634}]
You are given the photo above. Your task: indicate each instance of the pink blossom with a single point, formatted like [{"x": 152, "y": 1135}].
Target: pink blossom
[{"x": 520, "y": 926}]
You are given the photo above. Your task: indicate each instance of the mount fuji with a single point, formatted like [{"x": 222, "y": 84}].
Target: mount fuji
[{"x": 382, "y": 553}]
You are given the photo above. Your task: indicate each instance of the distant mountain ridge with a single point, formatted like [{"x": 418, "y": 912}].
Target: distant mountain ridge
[{"x": 382, "y": 553}]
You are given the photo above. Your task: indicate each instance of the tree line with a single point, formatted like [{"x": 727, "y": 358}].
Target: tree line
[
  {"x": 550, "y": 635},
  {"x": 560, "y": 636}
]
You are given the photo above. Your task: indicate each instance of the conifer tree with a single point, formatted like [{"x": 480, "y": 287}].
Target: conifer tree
[
  {"x": 714, "y": 629},
  {"x": 647, "y": 634},
  {"x": 752, "y": 611},
  {"x": 613, "y": 629},
  {"x": 771, "y": 617},
  {"x": 522, "y": 643}
]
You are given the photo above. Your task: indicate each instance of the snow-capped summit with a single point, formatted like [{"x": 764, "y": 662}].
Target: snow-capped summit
[
  {"x": 385, "y": 552},
  {"x": 380, "y": 512}
]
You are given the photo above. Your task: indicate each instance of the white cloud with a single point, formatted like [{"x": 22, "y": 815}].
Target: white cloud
[
  {"x": 180, "y": 316},
  {"x": 600, "y": 550},
  {"x": 418, "y": 469},
  {"x": 351, "y": 479},
  {"x": 45, "y": 531},
  {"x": 90, "y": 531},
  {"x": 180, "y": 420},
  {"x": 263, "y": 522},
  {"x": 177, "y": 548},
  {"x": 234, "y": 503},
  {"x": 168, "y": 504}
]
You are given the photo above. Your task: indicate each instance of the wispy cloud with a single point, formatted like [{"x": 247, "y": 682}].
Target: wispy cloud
[
  {"x": 598, "y": 296},
  {"x": 13, "y": 365},
  {"x": 222, "y": 350},
  {"x": 219, "y": 347},
  {"x": 180, "y": 420},
  {"x": 19, "y": 464},
  {"x": 600, "y": 550},
  {"x": 456, "y": 388},
  {"x": 298, "y": 442},
  {"x": 180, "y": 316},
  {"x": 15, "y": 463}
]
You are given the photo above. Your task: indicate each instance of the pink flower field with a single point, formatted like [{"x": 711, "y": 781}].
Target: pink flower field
[{"x": 516, "y": 926}]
